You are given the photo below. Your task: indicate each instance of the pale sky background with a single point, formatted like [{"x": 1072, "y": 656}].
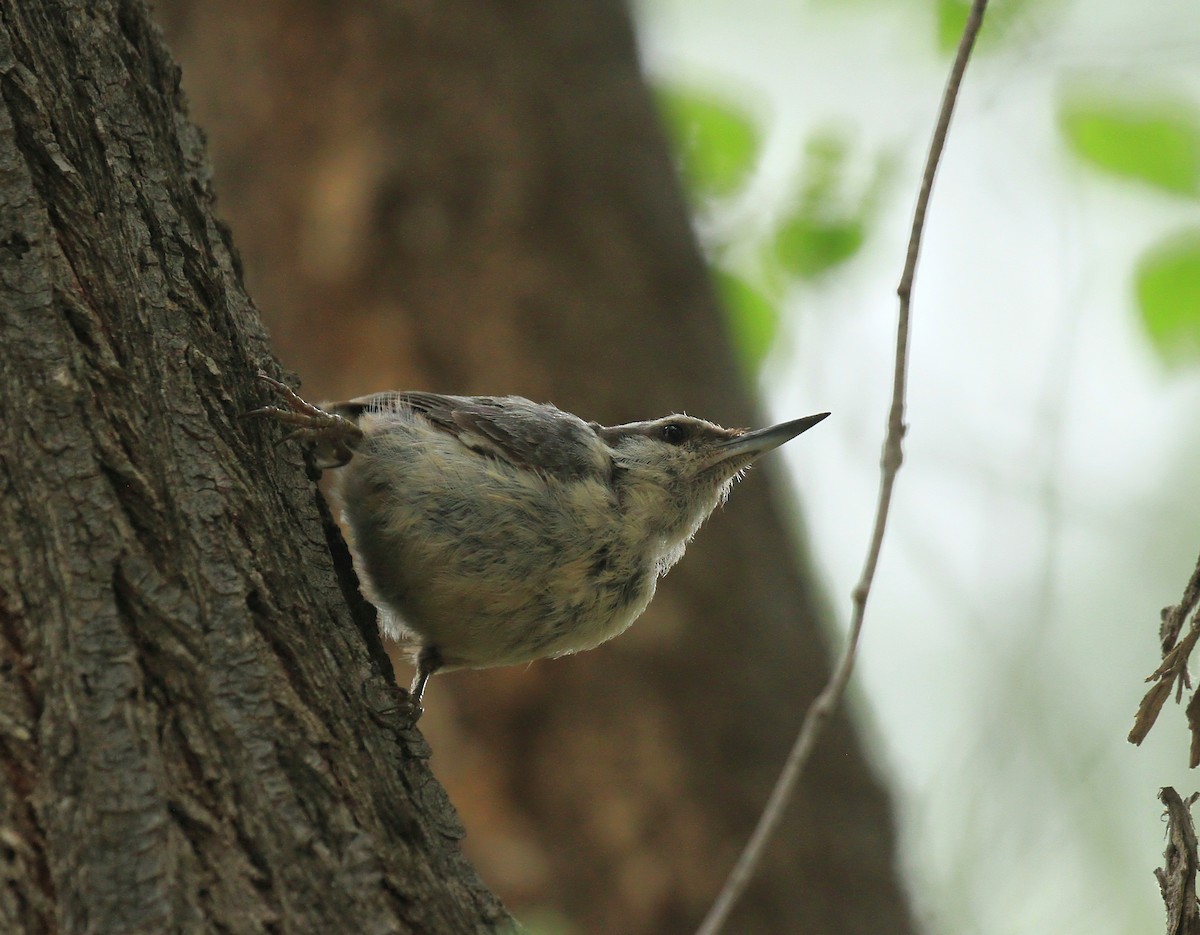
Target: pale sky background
[{"x": 1048, "y": 506}]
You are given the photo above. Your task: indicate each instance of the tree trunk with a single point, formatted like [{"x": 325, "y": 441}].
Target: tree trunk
[
  {"x": 196, "y": 736},
  {"x": 471, "y": 196}
]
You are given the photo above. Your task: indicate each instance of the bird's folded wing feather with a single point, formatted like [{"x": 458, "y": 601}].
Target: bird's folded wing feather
[{"x": 523, "y": 433}]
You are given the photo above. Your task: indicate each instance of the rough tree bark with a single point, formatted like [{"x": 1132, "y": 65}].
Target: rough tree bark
[
  {"x": 194, "y": 734},
  {"x": 472, "y": 196}
]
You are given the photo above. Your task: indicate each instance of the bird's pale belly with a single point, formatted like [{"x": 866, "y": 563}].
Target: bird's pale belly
[
  {"x": 552, "y": 575},
  {"x": 478, "y": 623}
]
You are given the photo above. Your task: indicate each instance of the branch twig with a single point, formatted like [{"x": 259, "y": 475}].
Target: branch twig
[
  {"x": 1177, "y": 877},
  {"x": 1172, "y": 674},
  {"x": 826, "y": 702}
]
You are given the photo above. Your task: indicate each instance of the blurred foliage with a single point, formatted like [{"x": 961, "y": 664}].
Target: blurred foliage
[
  {"x": 719, "y": 147},
  {"x": 753, "y": 316},
  {"x": 824, "y": 227},
  {"x": 808, "y": 246},
  {"x": 1168, "y": 296},
  {"x": 950, "y": 16},
  {"x": 1152, "y": 141},
  {"x": 717, "y": 142}
]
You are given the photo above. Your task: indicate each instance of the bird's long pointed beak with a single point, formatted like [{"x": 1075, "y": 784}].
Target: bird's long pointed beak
[{"x": 752, "y": 444}]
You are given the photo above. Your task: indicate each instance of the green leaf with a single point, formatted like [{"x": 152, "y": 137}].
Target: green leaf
[
  {"x": 753, "y": 318},
  {"x": 951, "y": 18},
  {"x": 824, "y": 228},
  {"x": 1156, "y": 142},
  {"x": 1168, "y": 296},
  {"x": 807, "y": 247},
  {"x": 717, "y": 141}
]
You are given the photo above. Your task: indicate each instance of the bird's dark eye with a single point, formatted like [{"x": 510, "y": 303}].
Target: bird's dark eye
[{"x": 673, "y": 433}]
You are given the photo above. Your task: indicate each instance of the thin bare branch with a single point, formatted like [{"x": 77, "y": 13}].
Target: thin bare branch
[{"x": 826, "y": 702}]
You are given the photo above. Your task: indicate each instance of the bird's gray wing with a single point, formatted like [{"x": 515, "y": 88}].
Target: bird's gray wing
[{"x": 531, "y": 435}]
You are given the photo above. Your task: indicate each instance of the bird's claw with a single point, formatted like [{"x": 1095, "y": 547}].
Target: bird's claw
[{"x": 311, "y": 423}]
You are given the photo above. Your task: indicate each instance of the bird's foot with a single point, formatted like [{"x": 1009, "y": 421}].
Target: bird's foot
[
  {"x": 392, "y": 706},
  {"x": 335, "y": 435},
  {"x": 403, "y": 712}
]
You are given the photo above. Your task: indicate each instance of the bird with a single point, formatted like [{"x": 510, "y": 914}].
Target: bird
[{"x": 493, "y": 530}]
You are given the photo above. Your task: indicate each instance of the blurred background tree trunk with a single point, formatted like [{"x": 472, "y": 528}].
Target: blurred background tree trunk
[{"x": 476, "y": 197}]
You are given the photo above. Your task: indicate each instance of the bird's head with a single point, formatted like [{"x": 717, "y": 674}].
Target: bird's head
[{"x": 671, "y": 473}]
